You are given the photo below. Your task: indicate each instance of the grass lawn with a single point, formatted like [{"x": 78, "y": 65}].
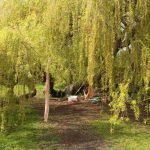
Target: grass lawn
[
  {"x": 34, "y": 134},
  {"x": 125, "y": 137}
]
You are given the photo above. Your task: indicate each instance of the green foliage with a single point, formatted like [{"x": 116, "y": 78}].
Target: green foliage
[
  {"x": 118, "y": 104},
  {"x": 104, "y": 42},
  {"x": 12, "y": 113},
  {"x": 20, "y": 90},
  {"x": 135, "y": 108},
  {"x": 11, "y": 117}
]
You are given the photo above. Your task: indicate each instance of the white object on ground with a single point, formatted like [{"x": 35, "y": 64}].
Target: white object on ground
[{"x": 73, "y": 98}]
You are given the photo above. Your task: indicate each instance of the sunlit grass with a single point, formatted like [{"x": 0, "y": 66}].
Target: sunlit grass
[
  {"x": 34, "y": 134},
  {"x": 125, "y": 137}
]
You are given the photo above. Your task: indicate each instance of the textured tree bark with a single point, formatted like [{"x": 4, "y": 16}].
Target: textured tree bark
[{"x": 47, "y": 96}]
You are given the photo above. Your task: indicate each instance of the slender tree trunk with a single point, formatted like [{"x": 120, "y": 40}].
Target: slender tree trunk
[{"x": 47, "y": 96}]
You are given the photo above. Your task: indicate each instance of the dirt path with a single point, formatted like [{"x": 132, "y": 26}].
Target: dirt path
[{"x": 70, "y": 122}]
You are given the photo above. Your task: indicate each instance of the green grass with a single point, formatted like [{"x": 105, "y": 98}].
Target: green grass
[
  {"x": 126, "y": 136},
  {"x": 34, "y": 134}
]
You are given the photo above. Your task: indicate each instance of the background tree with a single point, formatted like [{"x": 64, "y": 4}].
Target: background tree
[{"x": 103, "y": 42}]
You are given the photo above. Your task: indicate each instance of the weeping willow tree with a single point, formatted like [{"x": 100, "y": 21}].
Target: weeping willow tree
[
  {"x": 106, "y": 43},
  {"x": 106, "y": 38},
  {"x": 19, "y": 60}
]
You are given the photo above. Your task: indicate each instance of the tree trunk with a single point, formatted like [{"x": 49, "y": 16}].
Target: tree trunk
[
  {"x": 90, "y": 93},
  {"x": 47, "y": 96}
]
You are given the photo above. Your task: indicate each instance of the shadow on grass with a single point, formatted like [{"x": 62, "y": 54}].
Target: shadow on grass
[
  {"x": 34, "y": 134},
  {"x": 125, "y": 136}
]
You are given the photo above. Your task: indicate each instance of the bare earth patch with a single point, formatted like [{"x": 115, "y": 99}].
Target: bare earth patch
[{"x": 70, "y": 122}]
